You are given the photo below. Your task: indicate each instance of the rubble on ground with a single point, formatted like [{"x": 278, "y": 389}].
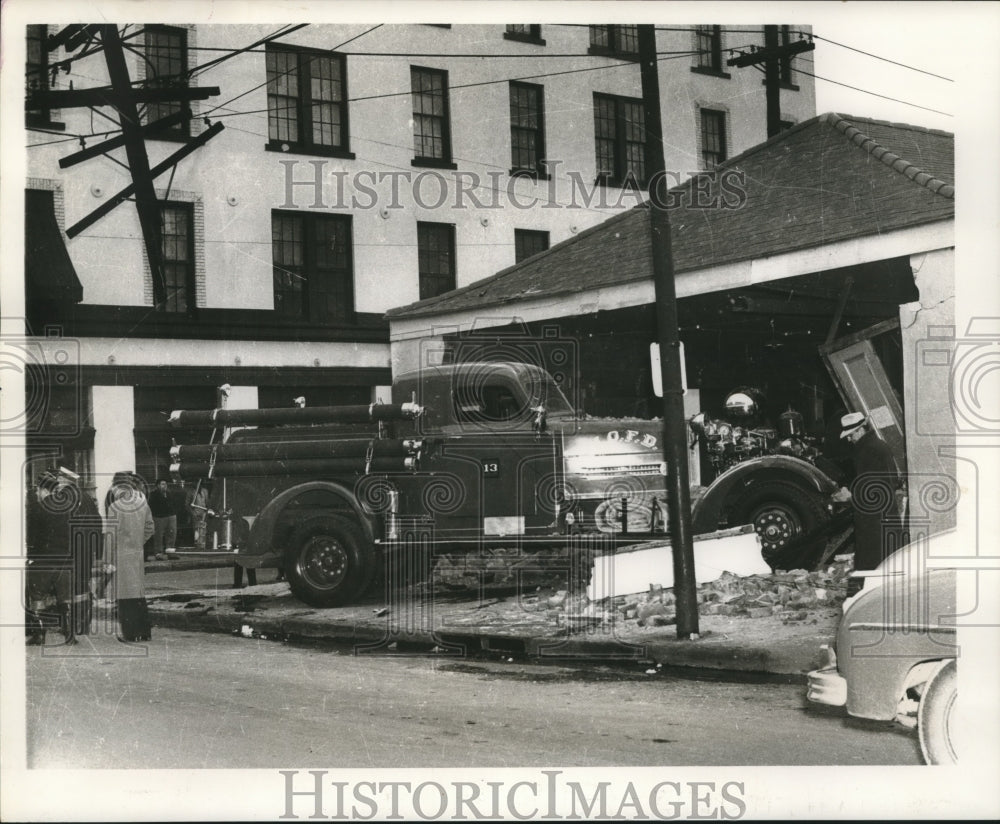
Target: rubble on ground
[{"x": 551, "y": 585}]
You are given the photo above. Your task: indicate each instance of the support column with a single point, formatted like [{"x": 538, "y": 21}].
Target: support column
[
  {"x": 927, "y": 329},
  {"x": 114, "y": 435}
]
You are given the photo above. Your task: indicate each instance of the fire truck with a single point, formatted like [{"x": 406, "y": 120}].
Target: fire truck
[{"x": 465, "y": 457}]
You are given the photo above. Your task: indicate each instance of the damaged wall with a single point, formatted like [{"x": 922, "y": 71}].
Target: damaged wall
[{"x": 927, "y": 328}]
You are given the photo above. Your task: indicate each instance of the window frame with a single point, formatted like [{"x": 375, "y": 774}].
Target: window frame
[
  {"x": 615, "y": 37},
  {"x": 190, "y": 279},
  {"x": 722, "y": 119},
  {"x": 521, "y": 235},
  {"x": 305, "y": 144},
  {"x": 311, "y": 271},
  {"x": 714, "y": 67},
  {"x": 532, "y": 36},
  {"x": 620, "y": 176},
  {"x": 156, "y": 111},
  {"x": 40, "y": 118},
  {"x": 540, "y": 171},
  {"x": 445, "y": 161},
  {"x": 422, "y": 273}
]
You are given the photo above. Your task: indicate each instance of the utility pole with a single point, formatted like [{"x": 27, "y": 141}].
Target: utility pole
[
  {"x": 771, "y": 56},
  {"x": 674, "y": 430},
  {"x": 124, "y": 98}
]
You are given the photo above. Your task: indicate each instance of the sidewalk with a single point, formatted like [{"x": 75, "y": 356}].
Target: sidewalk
[{"x": 782, "y": 639}]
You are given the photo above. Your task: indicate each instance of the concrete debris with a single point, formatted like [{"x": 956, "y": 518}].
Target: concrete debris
[
  {"x": 558, "y": 599},
  {"x": 794, "y": 596},
  {"x": 552, "y": 588}
]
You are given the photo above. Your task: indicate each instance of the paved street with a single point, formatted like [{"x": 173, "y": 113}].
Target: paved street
[{"x": 199, "y": 700}]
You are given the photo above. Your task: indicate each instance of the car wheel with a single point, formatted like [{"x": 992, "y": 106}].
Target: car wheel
[
  {"x": 328, "y": 561},
  {"x": 936, "y": 715},
  {"x": 779, "y": 512}
]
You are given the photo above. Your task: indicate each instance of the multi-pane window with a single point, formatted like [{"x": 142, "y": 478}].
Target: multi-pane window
[
  {"x": 620, "y": 41},
  {"x": 435, "y": 258},
  {"x": 166, "y": 68},
  {"x": 525, "y": 32},
  {"x": 312, "y": 265},
  {"x": 713, "y": 138},
  {"x": 176, "y": 239},
  {"x": 620, "y": 136},
  {"x": 527, "y": 133},
  {"x": 529, "y": 242},
  {"x": 307, "y": 100},
  {"x": 709, "y": 45},
  {"x": 431, "y": 129},
  {"x": 36, "y": 72}
]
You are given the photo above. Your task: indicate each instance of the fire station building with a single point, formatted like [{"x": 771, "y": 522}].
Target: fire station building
[
  {"x": 816, "y": 267},
  {"x": 359, "y": 169}
]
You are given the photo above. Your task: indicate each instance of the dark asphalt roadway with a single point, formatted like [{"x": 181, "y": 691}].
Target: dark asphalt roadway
[{"x": 198, "y": 700}]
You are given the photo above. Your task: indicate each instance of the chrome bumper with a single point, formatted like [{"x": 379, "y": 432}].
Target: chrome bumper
[{"x": 826, "y": 685}]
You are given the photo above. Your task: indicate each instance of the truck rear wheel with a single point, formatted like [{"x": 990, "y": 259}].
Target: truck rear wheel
[
  {"x": 328, "y": 561},
  {"x": 779, "y": 512}
]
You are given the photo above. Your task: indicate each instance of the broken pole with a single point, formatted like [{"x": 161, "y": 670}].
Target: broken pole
[
  {"x": 674, "y": 426},
  {"x": 138, "y": 162}
]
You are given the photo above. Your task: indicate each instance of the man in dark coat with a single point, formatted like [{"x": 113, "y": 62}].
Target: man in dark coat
[
  {"x": 875, "y": 494},
  {"x": 164, "y": 509},
  {"x": 63, "y": 536}
]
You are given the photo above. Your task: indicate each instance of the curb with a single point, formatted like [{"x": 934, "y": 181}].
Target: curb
[
  {"x": 789, "y": 658},
  {"x": 181, "y": 563}
]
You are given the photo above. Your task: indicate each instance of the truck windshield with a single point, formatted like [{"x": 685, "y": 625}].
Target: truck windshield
[{"x": 502, "y": 399}]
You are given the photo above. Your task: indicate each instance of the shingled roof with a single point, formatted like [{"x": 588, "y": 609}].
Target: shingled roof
[{"x": 831, "y": 178}]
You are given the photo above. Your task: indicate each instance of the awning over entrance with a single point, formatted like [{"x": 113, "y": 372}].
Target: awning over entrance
[{"x": 48, "y": 271}]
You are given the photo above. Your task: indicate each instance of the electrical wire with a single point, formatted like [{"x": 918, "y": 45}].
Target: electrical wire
[
  {"x": 233, "y": 52},
  {"x": 672, "y": 56},
  {"x": 873, "y": 94},
  {"x": 261, "y": 85},
  {"x": 885, "y": 59}
]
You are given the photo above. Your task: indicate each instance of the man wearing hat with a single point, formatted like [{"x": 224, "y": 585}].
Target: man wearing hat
[
  {"x": 873, "y": 494},
  {"x": 63, "y": 535}
]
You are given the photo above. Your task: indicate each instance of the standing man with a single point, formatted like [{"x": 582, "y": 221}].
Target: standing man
[
  {"x": 129, "y": 525},
  {"x": 161, "y": 504},
  {"x": 60, "y": 523},
  {"x": 875, "y": 494}
]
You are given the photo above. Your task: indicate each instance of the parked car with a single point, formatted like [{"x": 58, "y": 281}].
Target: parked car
[{"x": 896, "y": 652}]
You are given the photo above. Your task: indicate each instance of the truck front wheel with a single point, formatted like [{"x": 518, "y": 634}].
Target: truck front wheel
[
  {"x": 779, "y": 512},
  {"x": 328, "y": 561}
]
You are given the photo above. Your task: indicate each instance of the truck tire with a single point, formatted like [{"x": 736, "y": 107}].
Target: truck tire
[
  {"x": 936, "y": 714},
  {"x": 328, "y": 561},
  {"x": 779, "y": 511}
]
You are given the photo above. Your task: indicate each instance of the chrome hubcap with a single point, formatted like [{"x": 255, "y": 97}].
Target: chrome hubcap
[
  {"x": 324, "y": 561},
  {"x": 775, "y": 527}
]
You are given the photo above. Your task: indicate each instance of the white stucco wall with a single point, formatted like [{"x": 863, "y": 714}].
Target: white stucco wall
[
  {"x": 928, "y": 330},
  {"x": 114, "y": 446},
  {"x": 239, "y": 183}
]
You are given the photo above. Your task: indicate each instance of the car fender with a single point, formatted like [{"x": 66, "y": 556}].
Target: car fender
[
  {"x": 708, "y": 509},
  {"x": 262, "y": 530},
  {"x": 893, "y": 636}
]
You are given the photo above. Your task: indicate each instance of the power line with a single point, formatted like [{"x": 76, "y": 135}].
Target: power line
[
  {"x": 672, "y": 56},
  {"x": 261, "y": 85},
  {"x": 885, "y": 59},
  {"x": 873, "y": 94},
  {"x": 233, "y": 52}
]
